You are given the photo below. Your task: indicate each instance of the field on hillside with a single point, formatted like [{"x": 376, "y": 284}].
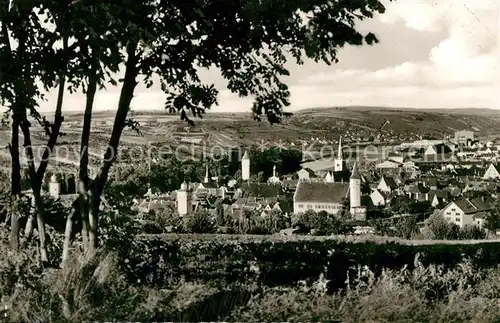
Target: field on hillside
[
  {"x": 240, "y": 129},
  {"x": 326, "y": 120}
]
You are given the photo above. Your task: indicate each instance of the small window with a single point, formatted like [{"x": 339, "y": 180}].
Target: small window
[
  {"x": 457, "y": 219},
  {"x": 448, "y": 213},
  {"x": 453, "y": 209}
]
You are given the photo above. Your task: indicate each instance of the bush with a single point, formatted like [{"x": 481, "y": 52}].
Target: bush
[
  {"x": 406, "y": 228},
  {"x": 472, "y": 232},
  {"x": 321, "y": 223},
  {"x": 199, "y": 222}
]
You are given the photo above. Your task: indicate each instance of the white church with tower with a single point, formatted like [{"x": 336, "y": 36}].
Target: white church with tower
[{"x": 330, "y": 196}]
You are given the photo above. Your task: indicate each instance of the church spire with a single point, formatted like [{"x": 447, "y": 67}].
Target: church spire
[
  {"x": 339, "y": 160},
  {"x": 339, "y": 152},
  {"x": 355, "y": 173},
  {"x": 206, "y": 174}
]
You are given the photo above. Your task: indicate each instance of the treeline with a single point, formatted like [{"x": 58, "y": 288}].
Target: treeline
[
  {"x": 168, "y": 174},
  {"x": 286, "y": 161},
  {"x": 246, "y": 222}
]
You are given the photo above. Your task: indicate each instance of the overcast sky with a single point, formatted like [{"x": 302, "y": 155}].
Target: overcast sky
[{"x": 432, "y": 54}]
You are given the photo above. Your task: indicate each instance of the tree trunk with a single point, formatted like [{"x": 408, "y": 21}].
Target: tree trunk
[
  {"x": 31, "y": 217},
  {"x": 36, "y": 185},
  {"x": 83, "y": 200},
  {"x": 40, "y": 221},
  {"x": 15, "y": 185},
  {"x": 126, "y": 95},
  {"x": 83, "y": 175},
  {"x": 67, "y": 234},
  {"x": 14, "y": 145}
]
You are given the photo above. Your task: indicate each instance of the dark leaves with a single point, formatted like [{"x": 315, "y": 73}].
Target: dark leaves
[
  {"x": 134, "y": 125},
  {"x": 371, "y": 39}
]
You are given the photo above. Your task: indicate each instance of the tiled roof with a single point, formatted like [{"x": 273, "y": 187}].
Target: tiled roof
[
  {"x": 308, "y": 170},
  {"x": 473, "y": 205},
  {"x": 479, "y": 215},
  {"x": 439, "y": 193},
  {"x": 419, "y": 188},
  {"x": 320, "y": 192},
  {"x": 454, "y": 190},
  {"x": 446, "y": 158},
  {"x": 383, "y": 194},
  {"x": 262, "y": 189},
  {"x": 390, "y": 181},
  {"x": 497, "y": 167},
  {"x": 318, "y": 165},
  {"x": 210, "y": 184}
]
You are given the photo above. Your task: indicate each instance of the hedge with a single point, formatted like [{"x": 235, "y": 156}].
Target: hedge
[{"x": 286, "y": 261}]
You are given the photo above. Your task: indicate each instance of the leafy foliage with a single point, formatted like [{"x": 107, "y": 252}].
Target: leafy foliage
[
  {"x": 321, "y": 223},
  {"x": 199, "y": 222}
]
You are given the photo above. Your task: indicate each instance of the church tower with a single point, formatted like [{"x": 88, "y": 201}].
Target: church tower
[
  {"x": 245, "y": 167},
  {"x": 355, "y": 188},
  {"x": 339, "y": 160},
  {"x": 184, "y": 200},
  {"x": 54, "y": 186},
  {"x": 358, "y": 212}
]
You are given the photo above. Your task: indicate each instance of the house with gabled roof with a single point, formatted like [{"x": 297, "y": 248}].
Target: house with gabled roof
[
  {"x": 387, "y": 184},
  {"x": 394, "y": 157},
  {"x": 464, "y": 211},
  {"x": 418, "y": 192},
  {"x": 388, "y": 164},
  {"x": 439, "y": 149},
  {"x": 306, "y": 173},
  {"x": 438, "y": 197},
  {"x": 492, "y": 172},
  {"x": 379, "y": 198},
  {"x": 479, "y": 186},
  {"x": 279, "y": 206}
]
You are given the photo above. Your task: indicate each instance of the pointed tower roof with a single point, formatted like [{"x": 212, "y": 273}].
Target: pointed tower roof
[
  {"x": 245, "y": 155},
  {"x": 206, "y": 174},
  {"x": 184, "y": 186},
  {"x": 355, "y": 173},
  {"x": 149, "y": 193},
  {"x": 54, "y": 178},
  {"x": 339, "y": 152}
]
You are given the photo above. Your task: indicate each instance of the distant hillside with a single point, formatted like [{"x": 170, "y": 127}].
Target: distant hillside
[
  {"x": 401, "y": 121},
  {"x": 351, "y": 122}
]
